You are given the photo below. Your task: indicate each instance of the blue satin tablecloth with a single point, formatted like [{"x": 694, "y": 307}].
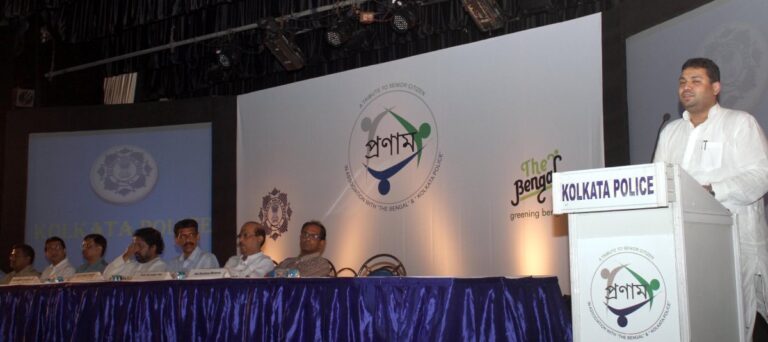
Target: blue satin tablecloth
[{"x": 317, "y": 309}]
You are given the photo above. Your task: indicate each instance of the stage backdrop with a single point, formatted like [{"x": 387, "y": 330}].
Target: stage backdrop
[
  {"x": 443, "y": 159},
  {"x": 113, "y": 182}
]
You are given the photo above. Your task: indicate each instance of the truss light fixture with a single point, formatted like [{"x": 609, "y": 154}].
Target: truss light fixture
[
  {"x": 485, "y": 13},
  {"x": 367, "y": 17},
  {"x": 287, "y": 53},
  {"x": 403, "y": 18},
  {"x": 224, "y": 60},
  {"x": 339, "y": 33}
]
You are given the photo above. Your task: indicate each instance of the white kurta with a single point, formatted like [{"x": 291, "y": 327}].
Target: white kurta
[
  {"x": 131, "y": 267},
  {"x": 729, "y": 151},
  {"x": 254, "y": 266},
  {"x": 63, "y": 269}
]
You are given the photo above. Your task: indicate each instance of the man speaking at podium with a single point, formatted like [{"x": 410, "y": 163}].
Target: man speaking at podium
[{"x": 725, "y": 150}]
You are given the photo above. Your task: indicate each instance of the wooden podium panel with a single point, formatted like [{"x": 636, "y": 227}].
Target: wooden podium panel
[{"x": 656, "y": 264}]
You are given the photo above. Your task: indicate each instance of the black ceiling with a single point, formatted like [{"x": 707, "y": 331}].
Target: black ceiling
[{"x": 86, "y": 31}]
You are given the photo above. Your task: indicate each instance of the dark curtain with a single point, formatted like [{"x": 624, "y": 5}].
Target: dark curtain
[{"x": 90, "y": 30}]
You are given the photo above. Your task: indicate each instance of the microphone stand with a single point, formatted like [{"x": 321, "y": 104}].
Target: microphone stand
[{"x": 664, "y": 120}]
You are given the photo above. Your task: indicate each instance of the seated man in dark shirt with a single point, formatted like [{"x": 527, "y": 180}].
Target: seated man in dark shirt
[
  {"x": 309, "y": 262},
  {"x": 94, "y": 247},
  {"x": 21, "y": 259}
]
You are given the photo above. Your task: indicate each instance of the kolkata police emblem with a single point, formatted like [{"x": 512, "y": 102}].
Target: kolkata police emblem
[
  {"x": 275, "y": 213},
  {"x": 740, "y": 51},
  {"x": 124, "y": 174}
]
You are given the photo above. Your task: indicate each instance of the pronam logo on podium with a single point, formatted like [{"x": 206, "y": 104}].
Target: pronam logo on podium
[
  {"x": 628, "y": 294},
  {"x": 393, "y": 153}
]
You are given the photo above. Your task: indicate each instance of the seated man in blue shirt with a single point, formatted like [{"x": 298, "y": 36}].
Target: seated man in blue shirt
[
  {"x": 192, "y": 257},
  {"x": 94, "y": 246}
]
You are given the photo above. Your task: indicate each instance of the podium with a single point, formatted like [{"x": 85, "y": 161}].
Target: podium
[{"x": 653, "y": 256}]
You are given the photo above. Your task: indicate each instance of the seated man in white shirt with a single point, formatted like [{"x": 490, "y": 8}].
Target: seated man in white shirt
[
  {"x": 252, "y": 263},
  {"x": 56, "y": 254},
  {"x": 142, "y": 255},
  {"x": 192, "y": 257}
]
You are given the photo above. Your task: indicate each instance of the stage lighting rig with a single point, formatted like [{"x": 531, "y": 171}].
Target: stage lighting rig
[
  {"x": 403, "y": 16},
  {"x": 485, "y": 13},
  {"x": 285, "y": 50},
  {"x": 339, "y": 33}
]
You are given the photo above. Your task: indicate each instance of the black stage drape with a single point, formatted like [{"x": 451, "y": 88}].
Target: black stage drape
[{"x": 90, "y": 30}]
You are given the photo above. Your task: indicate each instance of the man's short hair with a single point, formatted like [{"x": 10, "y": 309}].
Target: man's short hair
[
  {"x": 713, "y": 71},
  {"x": 58, "y": 239},
  {"x": 260, "y": 231},
  {"x": 99, "y": 240},
  {"x": 152, "y": 237},
  {"x": 27, "y": 249},
  {"x": 185, "y": 223},
  {"x": 315, "y": 223}
]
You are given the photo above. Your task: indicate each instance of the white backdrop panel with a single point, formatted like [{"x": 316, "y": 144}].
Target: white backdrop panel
[{"x": 490, "y": 110}]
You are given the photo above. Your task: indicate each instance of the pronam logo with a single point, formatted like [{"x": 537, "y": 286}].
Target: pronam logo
[
  {"x": 628, "y": 295},
  {"x": 123, "y": 174},
  {"x": 393, "y": 148}
]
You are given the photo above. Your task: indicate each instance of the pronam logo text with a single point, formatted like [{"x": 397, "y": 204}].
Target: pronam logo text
[
  {"x": 393, "y": 148},
  {"x": 628, "y": 294}
]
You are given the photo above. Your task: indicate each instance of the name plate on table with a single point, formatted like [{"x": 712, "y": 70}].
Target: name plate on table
[
  {"x": 613, "y": 188},
  {"x": 152, "y": 276},
  {"x": 211, "y": 273},
  {"x": 28, "y": 280},
  {"x": 88, "y": 277}
]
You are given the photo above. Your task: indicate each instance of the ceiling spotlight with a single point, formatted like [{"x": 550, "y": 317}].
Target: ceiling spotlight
[
  {"x": 485, "y": 13},
  {"x": 223, "y": 59},
  {"x": 403, "y": 19},
  {"x": 287, "y": 53},
  {"x": 45, "y": 34},
  {"x": 339, "y": 33},
  {"x": 367, "y": 17},
  {"x": 284, "y": 49}
]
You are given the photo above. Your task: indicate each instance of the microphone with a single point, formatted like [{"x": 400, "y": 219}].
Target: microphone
[{"x": 664, "y": 120}]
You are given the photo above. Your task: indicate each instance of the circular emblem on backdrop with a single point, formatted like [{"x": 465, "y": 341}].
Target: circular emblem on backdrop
[
  {"x": 740, "y": 52},
  {"x": 628, "y": 295},
  {"x": 123, "y": 174},
  {"x": 393, "y": 148},
  {"x": 275, "y": 213}
]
